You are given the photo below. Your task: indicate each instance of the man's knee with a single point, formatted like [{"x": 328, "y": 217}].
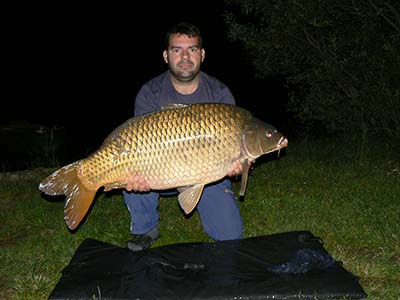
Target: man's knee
[
  {"x": 228, "y": 231},
  {"x": 219, "y": 213}
]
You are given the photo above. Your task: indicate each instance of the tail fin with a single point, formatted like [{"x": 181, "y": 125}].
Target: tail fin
[{"x": 78, "y": 198}]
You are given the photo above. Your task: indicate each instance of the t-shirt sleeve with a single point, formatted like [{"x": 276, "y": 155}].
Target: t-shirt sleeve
[
  {"x": 226, "y": 96},
  {"x": 217, "y": 90},
  {"x": 145, "y": 101}
]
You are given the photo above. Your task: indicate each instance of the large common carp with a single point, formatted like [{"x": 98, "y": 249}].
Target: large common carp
[{"x": 179, "y": 146}]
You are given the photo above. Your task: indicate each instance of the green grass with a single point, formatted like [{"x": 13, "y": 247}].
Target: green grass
[{"x": 353, "y": 205}]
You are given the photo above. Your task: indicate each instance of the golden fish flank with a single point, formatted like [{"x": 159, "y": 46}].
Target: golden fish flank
[{"x": 181, "y": 146}]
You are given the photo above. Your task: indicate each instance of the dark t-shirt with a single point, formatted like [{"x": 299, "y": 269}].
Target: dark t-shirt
[{"x": 159, "y": 92}]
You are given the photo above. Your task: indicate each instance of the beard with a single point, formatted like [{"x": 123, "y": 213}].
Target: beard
[{"x": 184, "y": 75}]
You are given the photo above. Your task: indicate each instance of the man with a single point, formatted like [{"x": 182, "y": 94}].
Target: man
[{"x": 183, "y": 83}]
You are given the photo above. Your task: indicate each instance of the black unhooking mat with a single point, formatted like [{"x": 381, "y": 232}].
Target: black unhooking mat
[{"x": 292, "y": 265}]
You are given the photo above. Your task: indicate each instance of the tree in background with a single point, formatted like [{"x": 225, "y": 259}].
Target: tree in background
[{"x": 341, "y": 60}]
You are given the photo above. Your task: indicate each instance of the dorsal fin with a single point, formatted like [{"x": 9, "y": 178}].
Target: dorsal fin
[
  {"x": 118, "y": 130},
  {"x": 173, "y": 105}
]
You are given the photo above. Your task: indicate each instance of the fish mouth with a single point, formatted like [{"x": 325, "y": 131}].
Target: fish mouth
[{"x": 282, "y": 143}]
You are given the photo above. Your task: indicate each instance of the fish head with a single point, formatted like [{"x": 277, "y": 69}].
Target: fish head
[{"x": 261, "y": 138}]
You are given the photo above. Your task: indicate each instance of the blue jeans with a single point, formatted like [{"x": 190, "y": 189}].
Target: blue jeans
[{"x": 218, "y": 210}]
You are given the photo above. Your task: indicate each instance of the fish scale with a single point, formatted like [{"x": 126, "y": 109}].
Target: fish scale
[
  {"x": 181, "y": 146},
  {"x": 154, "y": 159}
]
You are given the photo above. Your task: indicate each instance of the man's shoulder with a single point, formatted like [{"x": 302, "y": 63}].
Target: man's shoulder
[
  {"x": 212, "y": 81},
  {"x": 218, "y": 91},
  {"x": 158, "y": 80}
]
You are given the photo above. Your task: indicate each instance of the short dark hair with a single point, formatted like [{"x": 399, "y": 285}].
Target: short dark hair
[{"x": 183, "y": 28}]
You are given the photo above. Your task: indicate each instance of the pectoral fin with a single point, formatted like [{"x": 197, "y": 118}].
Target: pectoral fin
[
  {"x": 245, "y": 176},
  {"x": 189, "y": 197}
]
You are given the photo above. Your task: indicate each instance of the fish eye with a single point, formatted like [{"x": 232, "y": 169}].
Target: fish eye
[{"x": 268, "y": 134}]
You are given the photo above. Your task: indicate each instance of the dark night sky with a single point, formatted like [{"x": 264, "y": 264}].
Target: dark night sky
[{"x": 81, "y": 66}]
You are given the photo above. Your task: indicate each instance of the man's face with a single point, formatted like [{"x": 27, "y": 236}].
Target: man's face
[{"x": 184, "y": 57}]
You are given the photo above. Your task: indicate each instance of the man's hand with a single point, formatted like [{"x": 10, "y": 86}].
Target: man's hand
[
  {"x": 237, "y": 168},
  {"x": 137, "y": 184}
]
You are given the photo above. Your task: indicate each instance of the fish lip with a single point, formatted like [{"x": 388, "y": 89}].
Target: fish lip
[{"x": 283, "y": 142}]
